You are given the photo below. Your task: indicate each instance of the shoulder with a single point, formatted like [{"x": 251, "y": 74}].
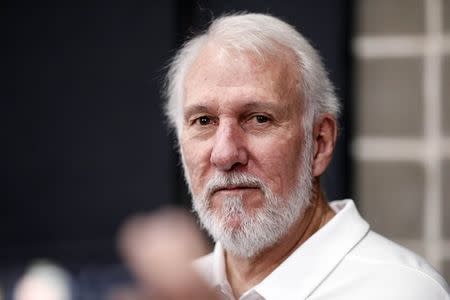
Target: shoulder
[
  {"x": 379, "y": 268},
  {"x": 375, "y": 250}
]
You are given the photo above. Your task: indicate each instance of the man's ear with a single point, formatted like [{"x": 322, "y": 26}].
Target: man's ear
[{"x": 324, "y": 141}]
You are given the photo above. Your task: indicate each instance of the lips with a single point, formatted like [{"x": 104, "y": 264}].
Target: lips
[{"x": 232, "y": 188}]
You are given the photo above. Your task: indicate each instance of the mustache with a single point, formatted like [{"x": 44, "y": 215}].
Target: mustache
[{"x": 222, "y": 181}]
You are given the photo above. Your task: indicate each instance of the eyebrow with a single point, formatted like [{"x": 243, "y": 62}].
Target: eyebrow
[
  {"x": 252, "y": 105},
  {"x": 194, "y": 109}
]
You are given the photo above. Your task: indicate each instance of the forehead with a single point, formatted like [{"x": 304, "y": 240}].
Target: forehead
[{"x": 217, "y": 74}]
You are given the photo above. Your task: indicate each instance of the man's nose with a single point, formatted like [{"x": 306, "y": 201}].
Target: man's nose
[{"x": 229, "y": 150}]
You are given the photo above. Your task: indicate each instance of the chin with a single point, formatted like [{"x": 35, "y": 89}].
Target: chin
[{"x": 233, "y": 224}]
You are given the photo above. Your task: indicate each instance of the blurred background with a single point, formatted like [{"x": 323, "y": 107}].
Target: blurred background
[{"x": 85, "y": 143}]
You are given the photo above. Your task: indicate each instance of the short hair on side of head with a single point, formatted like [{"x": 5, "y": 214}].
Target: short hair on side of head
[{"x": 259, "y": 34}]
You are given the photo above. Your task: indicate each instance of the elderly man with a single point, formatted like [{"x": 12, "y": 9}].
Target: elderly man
[{"x": 256, "y": 120}]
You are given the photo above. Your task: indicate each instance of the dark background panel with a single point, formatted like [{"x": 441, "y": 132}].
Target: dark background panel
[{"x": 84, "y": 142}]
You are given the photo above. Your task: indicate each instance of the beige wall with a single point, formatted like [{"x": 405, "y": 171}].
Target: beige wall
[{"x": 402, "y": 122}]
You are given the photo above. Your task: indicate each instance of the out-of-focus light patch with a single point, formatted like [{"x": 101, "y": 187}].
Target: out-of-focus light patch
[{"x": 43, "y": 281}]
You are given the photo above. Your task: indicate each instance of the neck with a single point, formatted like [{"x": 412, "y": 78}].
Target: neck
[{"x": 244, "y": 273}]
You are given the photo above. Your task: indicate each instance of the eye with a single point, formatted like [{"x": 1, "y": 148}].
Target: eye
[
  {"x": 261, "y": 119},
  {"x": 204, "y": 120}
]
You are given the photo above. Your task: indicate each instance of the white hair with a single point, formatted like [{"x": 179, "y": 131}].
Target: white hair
[{"x": 259, "y": 34}]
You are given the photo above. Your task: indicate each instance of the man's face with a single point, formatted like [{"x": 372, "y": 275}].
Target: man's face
[{"x": 242, "y": 137}]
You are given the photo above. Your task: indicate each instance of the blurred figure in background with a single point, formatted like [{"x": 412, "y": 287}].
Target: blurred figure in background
[
  {"x": 159, "y": 249},
  {"x": 43, "y": 281}
]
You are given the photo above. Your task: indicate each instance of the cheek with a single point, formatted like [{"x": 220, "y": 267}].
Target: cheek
[
  {"x": 196, "y": 162},
  {"x": 279, "y": 162}
]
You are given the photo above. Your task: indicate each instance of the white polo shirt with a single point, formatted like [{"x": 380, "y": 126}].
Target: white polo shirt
[{"x": 343, "y": 260}]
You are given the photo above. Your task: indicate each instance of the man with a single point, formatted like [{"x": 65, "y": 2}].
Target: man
[{"x": 256, "y": 120}]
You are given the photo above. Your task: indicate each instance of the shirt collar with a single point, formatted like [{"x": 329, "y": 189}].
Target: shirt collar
[
  {"x": 305, "y": 269},
  {"x": 219, "y": 273}
]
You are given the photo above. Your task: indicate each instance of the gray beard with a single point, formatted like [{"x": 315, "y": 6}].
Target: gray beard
[{"x": 264, "y": 226}]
